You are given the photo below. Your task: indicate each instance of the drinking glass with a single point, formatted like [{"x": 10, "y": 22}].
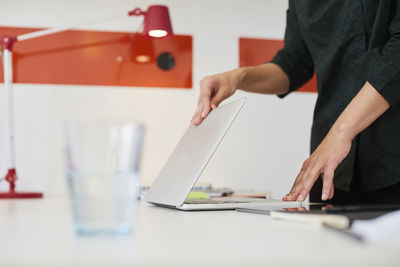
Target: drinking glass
[{"x": 103, "y": 175}]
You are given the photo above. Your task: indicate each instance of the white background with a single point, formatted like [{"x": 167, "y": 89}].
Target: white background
[{"x": 263, "y": 150}]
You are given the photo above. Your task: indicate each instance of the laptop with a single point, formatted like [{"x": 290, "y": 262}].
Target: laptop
[{"x": 188, "y": 160}]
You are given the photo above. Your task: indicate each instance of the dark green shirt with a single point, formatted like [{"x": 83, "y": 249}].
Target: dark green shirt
[{"x": 349, "y": 42}]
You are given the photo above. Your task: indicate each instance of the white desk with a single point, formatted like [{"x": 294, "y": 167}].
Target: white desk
[{"x": 40, "y": 233}]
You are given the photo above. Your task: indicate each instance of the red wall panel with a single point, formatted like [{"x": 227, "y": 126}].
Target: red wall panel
[
  {"x": 253, "y": 51},
  {"x": 99, "y": 58}
]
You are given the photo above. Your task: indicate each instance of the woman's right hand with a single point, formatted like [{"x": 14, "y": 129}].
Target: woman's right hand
[{"x": 213, "y": 90}]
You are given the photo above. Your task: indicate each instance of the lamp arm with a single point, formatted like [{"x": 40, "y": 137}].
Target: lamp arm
[
  {"x": 31, "y": 35},
  {"x": 41, "y": 33},
  {"x": 50, "y": 31}
]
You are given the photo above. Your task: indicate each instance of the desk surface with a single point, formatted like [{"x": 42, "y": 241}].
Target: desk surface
[{"x": 40, "y": 233}]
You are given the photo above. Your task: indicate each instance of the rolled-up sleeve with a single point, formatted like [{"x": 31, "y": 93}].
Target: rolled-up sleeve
[
  {"x": 294, "y": 58},
  {"x": 381, "y": 64}
]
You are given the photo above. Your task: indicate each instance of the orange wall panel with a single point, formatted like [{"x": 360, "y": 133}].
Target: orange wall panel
[
  {"x": 100, "y": 58},
  {"x": 254, "y": 51}
]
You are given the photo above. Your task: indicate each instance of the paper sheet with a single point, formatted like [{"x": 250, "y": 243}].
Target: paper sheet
[{"x": 384, "y": 229}]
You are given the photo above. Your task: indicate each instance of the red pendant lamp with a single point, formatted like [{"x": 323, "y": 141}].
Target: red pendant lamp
[{"x": 157, "y": 22}]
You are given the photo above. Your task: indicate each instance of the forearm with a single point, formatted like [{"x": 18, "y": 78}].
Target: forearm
[
  {"x": 363, "y": 110},
  {"x": 264, "y": 79}
]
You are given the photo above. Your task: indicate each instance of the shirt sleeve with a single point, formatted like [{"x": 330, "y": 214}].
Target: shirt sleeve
[
  {"x": 381, "y": 64},
  {"x": 294, "y": 58}
]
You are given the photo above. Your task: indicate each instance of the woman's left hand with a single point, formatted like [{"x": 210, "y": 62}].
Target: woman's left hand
[
  {"x": 324, "y": 160},
  {"x": 363, "y": 110}
]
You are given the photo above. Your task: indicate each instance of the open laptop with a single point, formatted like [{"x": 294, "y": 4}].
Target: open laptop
[{"x": 188, "y": 160}]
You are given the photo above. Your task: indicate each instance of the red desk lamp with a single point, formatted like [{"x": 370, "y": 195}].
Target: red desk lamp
[{"x": 157, "y": 24}]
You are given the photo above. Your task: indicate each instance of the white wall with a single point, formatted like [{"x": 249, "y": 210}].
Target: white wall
[{"x": 263, "y": 150}]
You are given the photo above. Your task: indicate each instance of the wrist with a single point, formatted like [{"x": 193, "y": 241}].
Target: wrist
[
  {"x": 343, "y": 131},
  {"x": 240, "y": 77}
]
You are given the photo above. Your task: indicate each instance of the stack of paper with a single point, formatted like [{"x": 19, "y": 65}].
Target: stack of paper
[{"x": 384, "y": 229}]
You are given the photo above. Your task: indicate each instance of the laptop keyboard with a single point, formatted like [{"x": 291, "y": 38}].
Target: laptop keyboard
[{"x": 211, "y": 201}]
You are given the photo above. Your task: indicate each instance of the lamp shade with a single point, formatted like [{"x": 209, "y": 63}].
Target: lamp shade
[{"x": 157, "y": 22}]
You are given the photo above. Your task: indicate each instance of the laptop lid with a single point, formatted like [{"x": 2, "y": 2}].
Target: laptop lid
[{"x": 191, "y": 155}]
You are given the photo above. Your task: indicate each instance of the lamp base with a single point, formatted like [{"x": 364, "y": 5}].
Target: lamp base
[
  {"x": 15, "y": 195},
  {"x": 11, "y": 177}
]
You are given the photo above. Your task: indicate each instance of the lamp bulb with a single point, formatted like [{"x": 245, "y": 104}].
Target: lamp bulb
[{"x": 157, "y": 33}]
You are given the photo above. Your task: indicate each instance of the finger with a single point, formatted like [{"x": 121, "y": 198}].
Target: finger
[
  {"x": 294, "y": 192},
  {"x": 332, "y": 192},
  {"x": 204, "y": 102},
  {"x": 286, "y": 198},
  {"x": 309, "y": 179},
  {"x": 290, "y": 197},
  {"x": 202, "y": 115},
  {"x": 206, "y": 109},
  {"x": 198, "y": 111},
  {"x": 218, "y": 98},
  {"x": 327, "y": 183},
  {"x": 195, "y": 119},
  {"x": 203, "y": 108}
]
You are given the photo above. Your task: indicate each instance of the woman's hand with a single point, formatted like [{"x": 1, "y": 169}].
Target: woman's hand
[
  {"x": 363, "y": 110},
  {"x": 213, "y": 90},
  {"x": 324, "y": 160},
  {"x": 266, "y": 78}
]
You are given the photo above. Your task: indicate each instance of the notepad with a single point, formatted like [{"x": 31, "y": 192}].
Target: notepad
[{"x": 197, "y": 195}]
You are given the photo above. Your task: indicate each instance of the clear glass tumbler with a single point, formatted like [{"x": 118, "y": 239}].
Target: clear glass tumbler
[{"x": 103, "y": 175}]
